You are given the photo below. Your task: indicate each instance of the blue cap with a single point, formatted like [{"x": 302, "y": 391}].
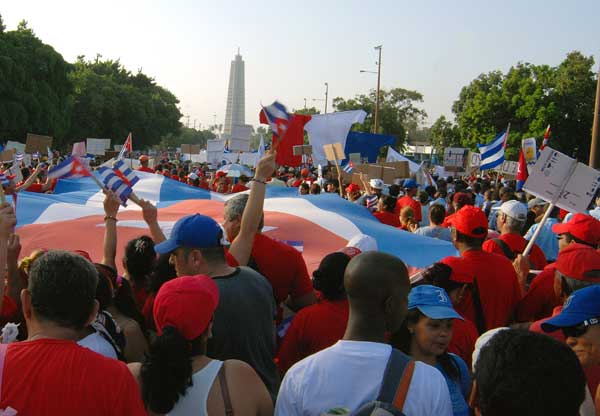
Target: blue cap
[
  {"x": 409, "y": 184},
  {"x": 582, "y": 305},
  {"x": 433, "y": 302},
  {"x": 196, "y": 231}
]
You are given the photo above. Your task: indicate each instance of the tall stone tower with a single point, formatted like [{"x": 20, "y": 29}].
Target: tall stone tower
[{"x": 236, "y": 102}]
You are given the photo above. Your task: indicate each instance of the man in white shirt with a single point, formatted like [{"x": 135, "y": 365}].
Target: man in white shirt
[{"x": 347, "y": 375}]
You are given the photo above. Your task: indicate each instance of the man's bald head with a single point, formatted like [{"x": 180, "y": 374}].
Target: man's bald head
[{"x": 377, "y": 284}]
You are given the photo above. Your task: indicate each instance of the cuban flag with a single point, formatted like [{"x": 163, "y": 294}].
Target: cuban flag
[
  {"x": 546, "y": 138},
  {"x": 492, "y": 155},
  {"x": 113, "y": 182},
  {"x": 278, "y": 118},
  {"x": 348, "y": 167},
  {"x": 36, "y": 155},
  {"x": 72, "y": 218},
  {"x": 125, "y": 173},
  {"x": 372, "y": 202},
  {"x": 127, "y": 147},
  {"x": 19, "y": 157},
  {"x": 522, "y": 173},
  {"x": 69, "y": 168}
]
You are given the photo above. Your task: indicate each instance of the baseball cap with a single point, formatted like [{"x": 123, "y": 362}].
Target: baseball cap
[
  {"x": 579, "y": 262},
  {"x": 352, "y": 188},
  {"x": 143, "y": 158},
  {"x": 220, "y": 174},
  {"x": 470, "y": 221},
  {"x": 514, "y": 209},
  {"x": 363, "y": 242},
  {"x": 536, "y": 202},
  {"x": 304, "y": 172},
  {"x": 582, "y": 305},
  {"x": 433, "y": 302},
  {"x": 376, "y": 183},
  {"x": 581, "y": 226},
  {"x": 409, "y": 184},
  {"x": 482, "y": 342},
  {"x": 197, "y": 231},
  {"x": 462, "y": 198},
  {"x": 192, "y": 176},
  {"x": 186, "y": 303},
  {"x": 460, "y": 272}
]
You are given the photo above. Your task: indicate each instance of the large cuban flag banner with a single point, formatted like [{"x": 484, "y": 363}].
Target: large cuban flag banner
[{"x": 72, "y": 219}]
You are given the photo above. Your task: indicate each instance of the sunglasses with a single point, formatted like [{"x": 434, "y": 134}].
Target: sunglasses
[{"x": 579, "y": 330}]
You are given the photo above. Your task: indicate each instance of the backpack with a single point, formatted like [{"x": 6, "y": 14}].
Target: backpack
[{"x": 394, "y": 388}]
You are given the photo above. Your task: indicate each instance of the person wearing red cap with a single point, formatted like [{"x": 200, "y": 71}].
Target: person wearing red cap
[
  {"x": 318, "y": 326},
  {"x": 352, "y": 192},
  {"x": 408, "y": 200},
  {"x": 451, "y": 275},
  {"x": 144, "y": 164},
  {"x": 510, "y": 221},
  {"x": 496, "y": 290},
  {"x": 177, "y": 377},
  {"x": 541, "y": 299},
  {"x": 241, "y": 185},
  {"x": 460, "y": 199}
]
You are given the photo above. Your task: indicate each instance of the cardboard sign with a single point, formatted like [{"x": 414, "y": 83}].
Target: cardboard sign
[
  {"x": 17, "y": 146},
  {"x": 8, "y": 155},
  {"x": 239, "y": 145},
  {"x": 473, "y": 160},
  {"x": 356, "y": 180},
  {"x": 215, "y": 145},
  {"x": 302, "y": 149},
  {"x": 241, "y": 131},
  {"x": 334, "y": 152},
  {"x": 97, "y": 146},
  {"x": 402, "y": 169},
  {"x": 455, "y": 158},
  {"x": 37, "y": 143},
  {"x": 79, "y": 149},
  {"x": 355, "y": 158},
  {"x": 193, "y": 149},
  {"x": 386, "y": 173},
  {"x": 529, "y": 147},
  {"x": 510, "y": 168},
  {"x": 559, "y": 179}
]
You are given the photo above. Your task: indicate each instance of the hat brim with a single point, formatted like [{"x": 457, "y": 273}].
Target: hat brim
[
  {"x": 438, "y": 312},
  {"x": 166, "y": 247},
  {"x": 560, "y": 228},
  {"x": 564, "y": 320}
]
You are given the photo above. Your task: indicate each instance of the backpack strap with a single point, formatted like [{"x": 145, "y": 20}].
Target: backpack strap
[
  {"x": 479, "y": 317},
  {"x": 225, "y": 391},
  {"x": 396, "y": 379},
  {"x": 505, "y": 248},
  {"x": 3, "y": 349}
]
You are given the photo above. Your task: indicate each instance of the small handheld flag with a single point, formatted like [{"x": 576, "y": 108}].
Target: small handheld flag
[
  {"x": 546, "y": 138},
  {"x": 113, "y": 182},
  {"x": 522, "y": 173},
  {"x": 279, "y": 119},
  {"x": 125, "y": 173},
  {"x": 492, "y": 155},
  {"x": 69, "y": 168},
  {"x": 348, "y": 167},
  {"x": 372, "y": 202},
  {"x": 127, "y": 147}
]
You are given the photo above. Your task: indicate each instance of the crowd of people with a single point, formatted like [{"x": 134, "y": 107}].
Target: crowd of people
[{"x": 222, "y": 319}]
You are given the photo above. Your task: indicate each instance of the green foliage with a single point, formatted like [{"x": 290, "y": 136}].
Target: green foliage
[
  {"x": 35, "y": 89},
  {"x": 110, "y": 101},
  {"x": 443, "y": 134},
  {"x": 530, "y": 97},
  {"x": 186, "y": 136},
  {"x": 255, "y": 137},
  {"x": 309, "y": 111},
  {"x": 2, "y": 26},
  {"x": 397, "y": 111}
]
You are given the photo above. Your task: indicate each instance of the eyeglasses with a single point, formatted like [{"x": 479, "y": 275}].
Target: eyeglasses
[{"x": 579, "y": 330}]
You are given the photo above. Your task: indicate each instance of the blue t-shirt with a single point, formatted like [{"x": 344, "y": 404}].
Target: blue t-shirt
[
  {"x": 459, "y": 389},
  {"x": 546, "y": 240}
]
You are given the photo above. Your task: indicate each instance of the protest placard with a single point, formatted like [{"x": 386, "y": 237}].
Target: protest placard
[
  {"x": 17, "y": 146},
  {"x": 190, "y": 149},
  {"x": 241, "y": 131},
  {"x": 79, "y": 149},
  {"x": 7, "y": 155},
  {"x": 455, "y": 158},
  {"x": 401, "y": 169},
  {"x": 239, "y": 145},
  {"x": 97, "y": 146},
  {"x": 302, "y": 149},
  {"x": 529, "y": 150},
  {"x": 334, "y": 152},
  {"x": 509, "y": 168},
  {"x": 37, "y": 143},
  {"x": 117, "y": 147},
  {"x": 217, "y": 145}
]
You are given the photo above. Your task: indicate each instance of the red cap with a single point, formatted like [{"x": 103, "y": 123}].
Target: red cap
[
  {"x": 583, "y": 227},
  {"x": 186, "y": 303},
  {"x": 579, "y": 262},
  {"x": 462, "y": 198},
  {"x": 304, "y": 172},
  {"x": 470, "y": 221},
  {"x": 220, "y": 174},
  {"x": 143, "y": 158},
  {"x": 460, "y": 272},
  {"x": 352, "y": 188}
]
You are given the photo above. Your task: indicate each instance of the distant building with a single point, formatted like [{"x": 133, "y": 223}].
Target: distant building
[
  {"x": 236, "y": 101},
  {"x": 420, "y": 151}
]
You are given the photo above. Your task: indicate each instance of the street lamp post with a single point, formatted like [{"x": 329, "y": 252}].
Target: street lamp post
[
  {"x": 326, "y": 94},
  {"x": 378, "y": 85}
]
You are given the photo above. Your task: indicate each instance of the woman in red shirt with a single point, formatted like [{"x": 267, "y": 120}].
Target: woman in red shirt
[{"x": 385, "y": 211}]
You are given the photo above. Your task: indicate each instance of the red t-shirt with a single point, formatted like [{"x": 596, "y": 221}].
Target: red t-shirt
[
  {"x": 140, "y": 294},
  {"x": 145, "y": 169},
  {"x": 540, "y": 299},
  {"x": 517, "y": 245},
  {"x": 313, "y": 329},
  {"x": 388, "y": 218},
  {"x": 204, "y": 185},
  {"x": 498, "y": 285},
  {"x": 464, "y": 335},
  {"x": 35, "y": 187},
  {"x": 59, "y": 377},
  {"x": 297, "y": 183},
  {"x": 407, "y": 201},
  {"x": 238, "y": 187}
]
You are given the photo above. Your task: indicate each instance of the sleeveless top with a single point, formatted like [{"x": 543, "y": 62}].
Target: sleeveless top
[{"x": 196, "y": 396}]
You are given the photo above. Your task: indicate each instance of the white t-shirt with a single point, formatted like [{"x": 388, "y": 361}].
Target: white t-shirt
[
  {"x": 97, "y": 343},
  {"x": 348, "y": 375}
]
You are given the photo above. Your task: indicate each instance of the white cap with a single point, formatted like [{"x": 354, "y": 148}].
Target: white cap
[
  {"x": 192, "y": 176},
  {"x": 376, "y": 183},
  {"x": 363, "y": 242},
  {"x": 514, "y": 209},
  {"x": 481, "y": 341}
]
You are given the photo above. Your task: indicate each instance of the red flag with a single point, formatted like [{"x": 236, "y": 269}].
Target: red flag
[
  {"x": 294, "y": 135},
  {"x": 546, "y": 138},
  {"x": 522, "y": 173}
]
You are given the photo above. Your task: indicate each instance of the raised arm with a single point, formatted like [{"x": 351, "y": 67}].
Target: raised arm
[
  {"x": 31, "y": 179},
  {"x": 8, "y": 220},
  {"x": 242, "y": 245},
  {"x": 151, "y": 217},
  {"x": 111, "y": 208}
]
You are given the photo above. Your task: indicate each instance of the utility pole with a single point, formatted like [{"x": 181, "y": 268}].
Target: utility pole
[
  {"x": 595, "y": 146},
  {"x": 305, "y": 103},
  {"x": 326, "y": 94},
  {"x": 215, "y": 121},
  {"x": 195, "y": 120},
  {"x": 188, "y": 121},
  {"x": 376, "y": 124}
]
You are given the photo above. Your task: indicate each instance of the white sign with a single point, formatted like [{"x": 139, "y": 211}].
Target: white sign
[
  {"x": 559, "y": 179},
  {"x": 510, "y": 168},
  {"x": 239, "y": 145},
  {"x": 97, "y": 146},
  {"x": 118, "y": 147},
  {"x": 474, "y": 160},
  {"x": 241, "y": 131},
  {"x": 529, "y": 150},
  {"x": 454, "y": 157},
  {"x": 19, "y": 147},
  {"x": 215, "y": 145}
]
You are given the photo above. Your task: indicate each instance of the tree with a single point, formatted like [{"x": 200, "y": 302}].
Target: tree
[
  {"x": 443, "y": 134},
  {"x": 530, "y": 97},
  {"x": 397, "y": 111},
  {"x": 255, "y": 137},
  {"x": 186, "y": 136},
  {"x": 307, "y": 111},
  {"x": 2, "y": 26}
]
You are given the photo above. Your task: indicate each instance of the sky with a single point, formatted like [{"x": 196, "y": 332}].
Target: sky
[{"x": 291, "y": 49}]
